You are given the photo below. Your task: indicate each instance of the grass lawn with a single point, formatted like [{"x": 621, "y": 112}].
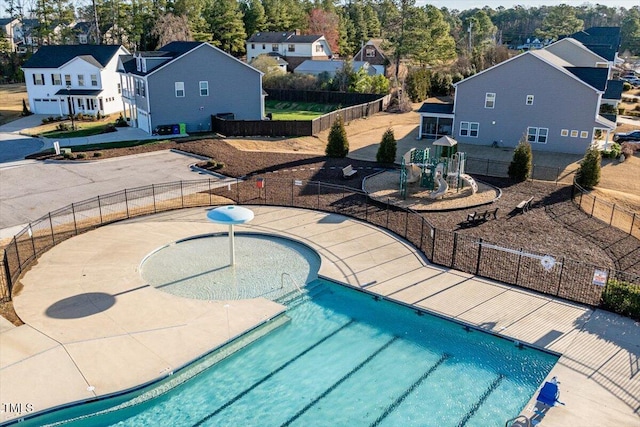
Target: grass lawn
[
  {"x": 11, "y": 104},
  {"x": 82, "y": 129},
  {"x": 283, "y": 110}
]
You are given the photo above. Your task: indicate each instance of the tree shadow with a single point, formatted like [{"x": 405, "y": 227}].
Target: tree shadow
[{"x": 81, "y": 305}]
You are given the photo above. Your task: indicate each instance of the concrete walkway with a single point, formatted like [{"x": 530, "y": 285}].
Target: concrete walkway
[{"x": 93, "y": 327}]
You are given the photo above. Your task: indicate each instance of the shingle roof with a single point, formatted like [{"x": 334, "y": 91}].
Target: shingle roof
[
  {"x": 605, "y": 41},
  {"x": 314, "y": 66},
  {"x": 614, "y": 89},
  {"x": 436, "y": 108},
  {"x": 594, "y": 77},
  {"x": 169, "y": 51},
  {"x": 281, "y": 37},
  {"x": 56, "y": 56},
  {"x": 5, "y": 21}
]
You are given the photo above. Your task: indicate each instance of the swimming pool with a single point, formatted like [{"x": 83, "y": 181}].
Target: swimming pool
[{"x": 347, "y": 358}]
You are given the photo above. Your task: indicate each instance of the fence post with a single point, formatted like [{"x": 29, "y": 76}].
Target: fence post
[
  {"x": 181, "y": 194},
  {"x": 126, "y": 202},
  {"x": 453, "y": 252},
  {"x": 53, "y": 235},
  {"x": 153, "y": 194},
  {"x": 7, "y": 274},
  {"x": 433, "y": 243},
  {"x": 293, "y": 184},
  {"x": 406, "y": 224},
  {"x": 318, "y": 206},
  {"x": 479, "y": 255},
  {"x": 593, "y": 207},
  {"x": 15, "y": 243},
  {"x": 518, "y": 268},
  {"x": 560, "y": 276},
  {"x": 75, "y": 224},
  {"x": 421, "y": 233},
  {"x": 388, "y": 215},
  {"x": 633, "y": 220},
  {"x": 366, "y": 208},
  {"x": 33, "y": 243},
  {"x": 100, "y": 209},
  {"x": 613, "y": 211}
]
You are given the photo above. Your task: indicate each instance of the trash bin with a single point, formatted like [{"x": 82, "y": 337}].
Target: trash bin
[
  {"x": 175, "y": 129},
  {"x": 183, "y": 128}
]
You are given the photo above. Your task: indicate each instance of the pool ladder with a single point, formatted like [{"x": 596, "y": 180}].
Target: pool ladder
[{"x": 292, "y": 281}]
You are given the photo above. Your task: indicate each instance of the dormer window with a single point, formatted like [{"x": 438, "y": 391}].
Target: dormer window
[
  {"x": 82, "y": 39},
  {"x": 370, "y": 53},
  {"x": 319, "y": 48},
  {"x": 138, "y": 63}
]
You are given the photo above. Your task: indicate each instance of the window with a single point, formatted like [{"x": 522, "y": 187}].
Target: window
[
  {"x": 574, "y": 134},
  {"x": 529, "y": 99},
  {"x": 537, "y": 135},
  {"x": 94, "y": 80},
  {"x": 253, "y": 45},
  {"x": 67, "y": 79},
  {"x": 274, "y": 47},
  {"x": 319, "y": 48},
  {"x": 370, "y": 53},
  {"x": 137, "y": 85},
  {"x": 584, "y": 134},
  {"x": 204, "y": 88},
  {"x": 82, "y": 39},
  {"x": 179, "y": 89},
  {"x": 144, "y": 65},
  {"x": 291, "y": 48},
  {"x": 119, "y": 89},
  {"x": 469, "y": 129},
  {"x": 264, "y": 46},
  {"x": 56, "y": 80},
  {"x": 38, "y": 79},
  {"x": 80, "y": 79},
  {"x": 564, "y": 132},
  {"x": 143, "y": 90},
  {"x": 489, "y": 100},
  {"x": 138, "y": 64}
]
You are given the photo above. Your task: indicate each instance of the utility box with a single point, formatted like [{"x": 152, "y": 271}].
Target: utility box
[{"x": 183, "y": 128}]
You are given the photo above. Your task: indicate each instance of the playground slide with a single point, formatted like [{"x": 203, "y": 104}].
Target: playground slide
[
  {"x": 471, "y": 182},
  {"x": 413, "y": 173},
  {"x": 443, "y": 187}
]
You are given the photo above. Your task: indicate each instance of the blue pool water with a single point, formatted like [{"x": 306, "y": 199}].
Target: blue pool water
[{"x": 348, "y": 359}]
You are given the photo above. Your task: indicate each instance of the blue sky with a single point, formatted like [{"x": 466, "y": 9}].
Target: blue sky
[{"x": 471, "y": 4}]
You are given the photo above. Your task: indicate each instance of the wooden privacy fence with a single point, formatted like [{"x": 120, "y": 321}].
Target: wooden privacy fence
[
  {"x": 277, "y": 128},
  {"x": 615, "y": 216},
  {"x": 566, "y": 278}
]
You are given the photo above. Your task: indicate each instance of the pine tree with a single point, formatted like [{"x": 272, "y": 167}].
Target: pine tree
[
  {"x": 388, "y": 147},
  {"x": 588, "y": 174},
  {"x": 338, "y": 145},
  {"x": 225, "y": 21},
  {"x": 521, "y": 164}
]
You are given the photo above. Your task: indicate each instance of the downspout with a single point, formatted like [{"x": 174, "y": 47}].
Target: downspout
[{"x": 147, "y": 95}]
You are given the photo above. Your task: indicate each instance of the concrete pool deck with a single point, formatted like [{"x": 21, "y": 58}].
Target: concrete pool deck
[{"x": 92, "y": 326}]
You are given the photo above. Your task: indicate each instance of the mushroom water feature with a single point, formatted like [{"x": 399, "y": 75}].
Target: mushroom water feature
[{"x": 230, "y": 215}]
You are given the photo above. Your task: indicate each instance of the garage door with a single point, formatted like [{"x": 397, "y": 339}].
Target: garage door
[
  {"x": 143, "y": 121},
  {"x": 46, "y": 106}
]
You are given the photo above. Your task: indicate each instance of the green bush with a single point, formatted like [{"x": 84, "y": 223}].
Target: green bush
[
  {"x": 418, "y": 84},
  {"x": 622, "y": 298},
  {"x": 338, "y": 145},
  {"x": 588, "y": 174},
  {"x": 388, "y": 147},
  {"x": 626, "y": 86},
  {"x": 97, "y": 154},
  {"x": 62, "y": 127},
  {"x": 214, "y": 165},
  {"x": 81, "y": 156},
  {"x": 614, "y": 152},
  {"x": 521, "y": 164},
  {"x": 121, "y": 122},
  {"x": 67, "y": 155}
]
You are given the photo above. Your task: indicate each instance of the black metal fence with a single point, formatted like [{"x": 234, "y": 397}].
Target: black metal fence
[
  {"x": 500, "y": 169},
  {"x": 566, "y": 278},
  {"x": 608, "y": 212}
]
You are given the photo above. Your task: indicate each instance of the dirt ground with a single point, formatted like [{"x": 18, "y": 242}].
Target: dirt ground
[{"x": 11, "y": 97}]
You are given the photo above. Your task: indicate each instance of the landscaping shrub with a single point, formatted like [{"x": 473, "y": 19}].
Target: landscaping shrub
[
  {"x": 521, "y": 164},
  {"x": 388, "y": 147},
  {"x": 62, "y": 127},
  {"x": 627, "y": 149},
  {"x": 97, "y": 154},
  {"x": 588, "y": 174},
  {"x": 626, "y": 86},
  {"x": 337, "y": 145},
  {"x": 98, "y": 116},
  {"x": 213, "y": 165},
  {"x": 67, "y": 155},
  {"x": 418, "y": 84},
  {"x": 81, "y": 155},
  {"x": 622, "y": 298},
  {"x": 613, "y": 152},
  {"x": 121, "y": 122},
  {"x": 25, "y": 110}
]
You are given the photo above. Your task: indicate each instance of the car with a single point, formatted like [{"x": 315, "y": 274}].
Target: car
[{"x": 628, "y": 136}]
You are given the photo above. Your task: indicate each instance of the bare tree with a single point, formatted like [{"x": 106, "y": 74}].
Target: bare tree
[{"x": 169, "y": 28}]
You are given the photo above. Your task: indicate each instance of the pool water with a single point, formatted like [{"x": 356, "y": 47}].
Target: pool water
[{"x": 347, "y": 358}]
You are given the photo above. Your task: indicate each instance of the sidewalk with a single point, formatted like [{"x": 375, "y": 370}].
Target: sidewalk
[{"x": 109, "y": 332}]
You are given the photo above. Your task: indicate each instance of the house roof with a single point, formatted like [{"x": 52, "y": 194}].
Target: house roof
[
  {"x": 436, "y": 108},
  {"x": 83, "y": 27},
  {"x": 605, "y": 41},
  {"x": 282, "y": 36},
  {"x": 594, "y": 77},
  {"x": 377, "y": 43},
  {"x": 315, "y": 66},
  {"x": 613, "y": 90},
  {"x": 79, "y": 92},
  {"x": 5, "y": 21},
  {"x": 56, "y": 56}
]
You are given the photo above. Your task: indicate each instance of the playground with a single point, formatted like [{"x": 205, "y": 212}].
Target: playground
[{"x": 431, "y": 179}]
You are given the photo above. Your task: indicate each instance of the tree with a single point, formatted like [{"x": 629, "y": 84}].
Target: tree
[
  {"x": 226, "y": 26},
  {"x": 337, "y": 145},
  {"x": 521, "y": 164},
  {"x": 588, "y": 174},
  {"x": 326, "y": 23},
  {"x": 268, "y": 65},
  {"x": 253, "y": 16},
  {"x": 630, "y": 32},
  {"x": 388, "y": 147},
  {"x": 428, "y": 38},
  {"x": 169, "y": 28},
  {"x": 560, "y": 21},
  {"x": 418, "y": 84}
]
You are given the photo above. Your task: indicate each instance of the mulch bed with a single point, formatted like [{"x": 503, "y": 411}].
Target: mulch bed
[{"x": 554, "y": 225}]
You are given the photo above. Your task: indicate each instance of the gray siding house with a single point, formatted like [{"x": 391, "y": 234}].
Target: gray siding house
[
  {"x": 538, "y": 95},
  {"x": 187, "y": 82}
]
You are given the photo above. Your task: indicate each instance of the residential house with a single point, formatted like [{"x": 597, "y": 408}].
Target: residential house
[
  {"x": 375, "y": 55},
  {"x": 188, "y": 82},
  {"x": 85, "y": 33},
  {"x": 604, "y": 41},
  {"x": 7, "y": 27},
  {"x": 331, "y": 67},
  {"x": 74, "y": 79},
  {"x": 19, "y": 33},
  {"x": 293, "y": 47},
  {"x": 551, "y": 96}
]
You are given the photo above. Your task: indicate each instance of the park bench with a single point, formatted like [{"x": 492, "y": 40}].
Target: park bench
[
  {"x": 348, "y": 171},
  {"x": 476, "y": 218},
  {"x": 524, "y": 205}
]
